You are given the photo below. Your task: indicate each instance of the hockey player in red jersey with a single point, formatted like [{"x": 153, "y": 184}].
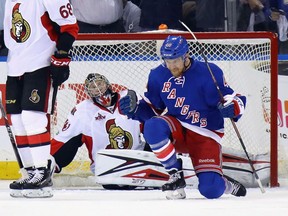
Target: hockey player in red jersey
[
  {"x": 38, "y": 35},
  {"x": 97, "y": 123},
  {"x": 193, "y": 123}
]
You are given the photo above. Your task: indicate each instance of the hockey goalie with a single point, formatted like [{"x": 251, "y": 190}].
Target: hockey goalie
[{"x": 119, "y": 157}]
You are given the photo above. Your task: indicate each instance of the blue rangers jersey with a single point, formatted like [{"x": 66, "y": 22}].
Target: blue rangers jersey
[{"x": 191, "y": 98}]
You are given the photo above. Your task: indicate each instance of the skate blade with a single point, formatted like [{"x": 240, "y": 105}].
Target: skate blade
[
  {"x": 177, "y": 194},
  {"x": 38, "y": 193},
  {"x": 16, "y": 193}
]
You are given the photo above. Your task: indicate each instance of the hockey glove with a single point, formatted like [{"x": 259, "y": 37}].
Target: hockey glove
[
  {"x": 60, "y": 68},
  {"x": 128, "y": 104},
  {"x": 232, "y": 107}
]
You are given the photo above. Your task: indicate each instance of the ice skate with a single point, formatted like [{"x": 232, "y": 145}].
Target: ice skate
[
  {"x": 16, "y": 187},
  {"x": 174, "y": 188},
  {"x": 234, "y": 187},
  {"x": 40, "y": 186}
]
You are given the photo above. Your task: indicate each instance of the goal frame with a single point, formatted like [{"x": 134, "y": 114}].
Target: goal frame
[{"x": 221, "y": 35}]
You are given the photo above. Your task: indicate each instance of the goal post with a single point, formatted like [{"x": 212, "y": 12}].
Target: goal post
[{"x": 248, "y": 60}]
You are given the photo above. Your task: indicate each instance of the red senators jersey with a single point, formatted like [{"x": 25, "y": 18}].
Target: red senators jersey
[
  {"x": 100, "y": 129},
  {"x": 30, "y": 33}
]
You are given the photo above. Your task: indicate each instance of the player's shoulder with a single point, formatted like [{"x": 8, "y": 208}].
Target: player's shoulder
[
  {"x": 215, "y": 66},
  {"x": 159, "y": 72},
  {"x": 158, "y": 68},
  {"x": 84, "y": 105},
  {"x": 201, "y": 66},
  {"x": 84, "y": 110}
]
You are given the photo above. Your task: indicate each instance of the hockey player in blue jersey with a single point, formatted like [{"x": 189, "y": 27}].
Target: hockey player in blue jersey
[{"x": 193, "y": 121}]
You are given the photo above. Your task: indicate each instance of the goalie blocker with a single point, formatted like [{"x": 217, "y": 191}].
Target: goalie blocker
[{"x": 142, "y": 169}]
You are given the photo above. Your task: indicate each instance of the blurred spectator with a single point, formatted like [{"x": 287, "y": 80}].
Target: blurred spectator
[
  {"x": 279, "y": 15},
  {"x": 210, "y": 15},
  {"x": 189, "y": 13},
  {"x": 136, "y": 2},
  {"x": 157, "y": 12},
  {"x": 204, "y": 15},
  {"x": 252, "y": 15},
  {"x": 99, "y": 16},
  {"x": 279, "y": 6},
  {"x": 131, "y": 17}
]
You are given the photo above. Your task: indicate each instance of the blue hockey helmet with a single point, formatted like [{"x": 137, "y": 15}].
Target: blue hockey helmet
[{"x": 174, "y": 47}]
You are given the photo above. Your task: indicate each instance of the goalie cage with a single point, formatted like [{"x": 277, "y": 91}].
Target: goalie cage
[{"x": 249, "y": 62}]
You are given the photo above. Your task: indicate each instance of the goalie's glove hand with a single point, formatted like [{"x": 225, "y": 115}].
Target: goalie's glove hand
[
  {"x": 60, "y": 68},
  {"x": 128, "y": 104},
  {"x": 232, "y": 107}
]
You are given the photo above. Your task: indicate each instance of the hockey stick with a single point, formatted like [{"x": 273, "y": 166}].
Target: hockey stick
[
  {"x": 10, "y": 133},
  {"x": 222, "y": 99}
]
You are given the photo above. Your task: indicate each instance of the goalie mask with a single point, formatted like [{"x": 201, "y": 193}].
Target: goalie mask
[{"x": 99, "y": 89}]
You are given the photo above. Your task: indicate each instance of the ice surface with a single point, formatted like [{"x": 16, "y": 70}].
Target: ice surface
[{"x": 98, "y": 202}]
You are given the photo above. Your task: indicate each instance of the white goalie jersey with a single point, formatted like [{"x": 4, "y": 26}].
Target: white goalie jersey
[{"x": 100, "y": 128}]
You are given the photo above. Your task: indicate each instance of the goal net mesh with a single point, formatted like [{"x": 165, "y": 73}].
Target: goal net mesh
[{"x": 245, "y": 63}]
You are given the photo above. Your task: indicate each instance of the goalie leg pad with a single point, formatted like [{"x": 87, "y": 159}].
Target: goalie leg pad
[{"x": 211, "y": 185}]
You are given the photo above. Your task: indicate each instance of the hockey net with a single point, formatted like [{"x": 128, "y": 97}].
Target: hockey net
[{"x": 249, "y": 61}]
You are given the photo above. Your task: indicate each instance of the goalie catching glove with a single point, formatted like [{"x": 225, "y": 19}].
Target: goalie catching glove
[
  {"x": 60, "y": 68},
  {"x": 232, "y": 107},
  {"x": 128, "y": 104}
]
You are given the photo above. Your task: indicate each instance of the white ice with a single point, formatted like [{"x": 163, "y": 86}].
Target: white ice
[{"x": 98, "y": 202}]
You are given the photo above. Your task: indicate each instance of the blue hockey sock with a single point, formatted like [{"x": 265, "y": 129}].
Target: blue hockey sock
[{"x": 157, "y": 133}]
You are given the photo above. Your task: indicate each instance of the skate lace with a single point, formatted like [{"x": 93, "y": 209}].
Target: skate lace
[
  {"x": 25, "y": 178},
  {"x": 38, "y": 176},
  {"x": 174, "y": 177},
  {"x": 22, "y": 180}
]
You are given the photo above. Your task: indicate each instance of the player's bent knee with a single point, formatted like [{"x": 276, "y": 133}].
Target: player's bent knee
[
  {"x": 156, "y": 130},
  {"x": 211, "y": 185}
]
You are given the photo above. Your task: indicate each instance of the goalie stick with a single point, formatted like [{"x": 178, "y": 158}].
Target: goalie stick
[
  {"x": 10, "y": 133},
  {"x": 222, "y": 99}
]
